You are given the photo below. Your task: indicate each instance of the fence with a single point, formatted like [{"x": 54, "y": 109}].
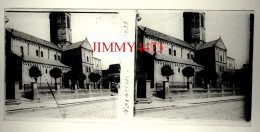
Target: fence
[
  {"x": 44, "y": 93},
  {"x": 178, "y": 92}
]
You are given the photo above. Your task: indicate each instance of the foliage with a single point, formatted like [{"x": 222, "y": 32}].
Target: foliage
[
  {"x": 226, "y": 76},
  {"x": 94, "y": 77},
  {"x": 34, "y": 72},
  {"x": 114, "y": 78},
  {"x": 214, "y": 76},
  {"x": 72, "y": 75},
  {"x": 188, "y": 72},
  {"x": 76, "y": 76},
  {"x": 55, "y": 73},
  {"x": 81, "y": 76},
  {"x": 166, "y": 71}
]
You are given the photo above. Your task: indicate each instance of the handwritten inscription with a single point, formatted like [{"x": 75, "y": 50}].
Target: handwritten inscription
[{"x": 125, "y": 93}]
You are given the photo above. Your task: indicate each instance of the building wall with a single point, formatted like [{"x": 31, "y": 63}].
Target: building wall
[
  {"x": 220, "y": 55},
  {"x": 45, "y": 70},
  {"x": 168, "y": 48},
  {"x": 97, "y": 64},
  {"x": 30, "y": 48},
  {"x": 230, "y": 64},
  {"x": 177, "y": 77}
]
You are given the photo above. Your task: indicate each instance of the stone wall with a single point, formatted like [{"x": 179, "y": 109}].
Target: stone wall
[
  {"x": 177, "y": 69},
  {"x": 45, "y": 70}
]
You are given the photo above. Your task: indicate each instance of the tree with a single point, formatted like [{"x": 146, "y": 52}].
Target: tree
[
  {"x": 94, "y": 77},
  {"x": 188, "y": 72},
  {"x": 114, "y": 78},
  {"x": 166, "y": 71},
  {"x": 213, "y": 77},
  {"x": 72, "y": 75},
  {"x": 34, "y": 72},
  {"x": 81, "y": 77},
  {"x": 227, "y": 77},
  {"x": 55, "y": 73}
]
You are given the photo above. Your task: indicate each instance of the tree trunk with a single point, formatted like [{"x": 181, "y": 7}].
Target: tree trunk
[
  {"x": 94, "y": 85},
  {"x": 55, "y": 83},
  {"x": 167, "y": 78},
  {"x": 188, "y": 83}
]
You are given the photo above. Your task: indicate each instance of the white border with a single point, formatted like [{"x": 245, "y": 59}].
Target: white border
[{"x": 134, "y": 4}]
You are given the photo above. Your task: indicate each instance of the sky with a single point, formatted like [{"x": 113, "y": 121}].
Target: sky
[
  {"x": 231, "y": 26},
  {"x": 96, "y": 27}
]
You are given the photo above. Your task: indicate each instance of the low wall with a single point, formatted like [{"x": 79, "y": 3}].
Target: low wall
[
  {"x": 177, "y": 94},
  {"x": 73, "y": 94}
]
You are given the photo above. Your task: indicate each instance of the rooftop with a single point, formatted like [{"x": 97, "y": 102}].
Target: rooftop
[
  {"x": 31, "y": 38},
  {"x": 166, "y": 37},
  {"x": 218, "y": 43},
  {"x": 43, "y": 61},
  {"x": 84, "y": 43},
  {"x": 177, "y": 60}
]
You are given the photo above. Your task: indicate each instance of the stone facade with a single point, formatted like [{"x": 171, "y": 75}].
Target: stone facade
[
  {"x": 24, "y": 51},
  {"x": 178, "y": 54},
  {"x": 194, "y": 28}
]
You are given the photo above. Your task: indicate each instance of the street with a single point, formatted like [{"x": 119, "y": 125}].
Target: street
[
  {"x": 96, "y": 110},
  {"x": 231, "y": 111}
]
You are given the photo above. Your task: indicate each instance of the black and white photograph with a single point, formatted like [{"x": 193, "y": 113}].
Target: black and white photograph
[
  {"x": 130, "y": 66},
  {"x": 194, "y": 65},
  {"x": 55, "y": 68}
]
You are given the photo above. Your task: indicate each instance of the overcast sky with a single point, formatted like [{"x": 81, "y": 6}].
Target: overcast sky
[
  {"x": 97, "y": 27},
  {"x": 232, "y": 26}
]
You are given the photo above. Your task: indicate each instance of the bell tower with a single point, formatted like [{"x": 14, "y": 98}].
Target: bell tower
[
  {"x": 194, "y": 28},
  {"x": 60, "y": 29}
]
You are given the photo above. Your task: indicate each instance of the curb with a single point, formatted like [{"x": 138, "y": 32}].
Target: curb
[
  {"x": 52, "y": 107},
  {"x": 174, "y": 106}
]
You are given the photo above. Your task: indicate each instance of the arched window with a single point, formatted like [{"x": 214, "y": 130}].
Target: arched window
[
  {"x": 86, "y": 69},
  {"x": 170, "y": 51},
  {"x": 174, "y": 52},
  {"x": 179, "y": 70},
  {"x": 87, "y": 58},
  {"x": 41, "y": 54},
  {"x": 55, "y": 57},
  {"x": 220, "y": 58},
  {"x": 37, "y": 53},
  {"x": 192, "y": 57},
  {"x": 188, "y": 56},
  {"x": 46, "y": 71},
  {"x": 59, "y": 58},
  {"x": 89, "y": 69}
]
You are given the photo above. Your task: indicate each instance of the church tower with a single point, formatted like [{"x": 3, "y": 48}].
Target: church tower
[
  {"x": 194, "y": 28},
  {"x": 60, "y": 29}
]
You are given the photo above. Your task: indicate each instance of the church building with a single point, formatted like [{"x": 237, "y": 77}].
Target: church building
[
  {"x": 24, "y": 51},
  {"x": 193, "y": 52}
]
